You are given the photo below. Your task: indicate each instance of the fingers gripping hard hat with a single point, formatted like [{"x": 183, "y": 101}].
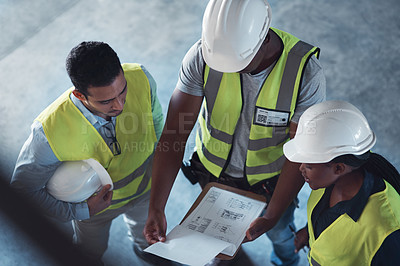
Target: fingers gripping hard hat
[
  {"x": 233, "y": 31},
  {"x": 328, "y": 130},
  {"x": 76, "y": 181}
]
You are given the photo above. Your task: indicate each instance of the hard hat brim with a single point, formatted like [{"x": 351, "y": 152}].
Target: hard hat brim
[
  {"x": 297, "y": 155},
  {"x": 233, "y": 33},
  {"x": 225, "y": 63},
  {"x": 101, "y": 172}
]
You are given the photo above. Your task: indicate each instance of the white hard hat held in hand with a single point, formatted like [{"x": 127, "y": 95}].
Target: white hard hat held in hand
[
  {"x": 233, "y": 31},
  {"x": 76, "y": 181},
  {"x": 328, "y": 130}
]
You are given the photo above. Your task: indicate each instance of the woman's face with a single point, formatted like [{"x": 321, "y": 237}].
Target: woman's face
[{"x": 319, "y": 175}]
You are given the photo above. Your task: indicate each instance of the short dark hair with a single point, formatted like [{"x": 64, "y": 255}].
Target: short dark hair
[{"x": 92, "y": 64}]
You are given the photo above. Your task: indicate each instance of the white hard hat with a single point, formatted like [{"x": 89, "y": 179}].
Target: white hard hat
[
  {"x": 233, "y": 31},
  {"x": 328, "y": 130},
  {"x": 75, "y": 181}
]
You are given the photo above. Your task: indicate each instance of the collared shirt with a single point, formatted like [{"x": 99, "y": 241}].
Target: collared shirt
[
  {"x": 37, "y": 162},
  {"x": 99, "y": 123},
  {"x": 323, "y": 216}
]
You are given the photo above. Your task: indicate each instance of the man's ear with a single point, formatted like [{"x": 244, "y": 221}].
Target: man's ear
[
  {"x": 339, "y": 168},
  {"x": 79, "y": 95}
]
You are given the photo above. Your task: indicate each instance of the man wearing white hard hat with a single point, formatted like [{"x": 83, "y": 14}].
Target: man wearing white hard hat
[
  {"x": 97, "y": 136},
  {"x": 354, "y": 206},
  {"x": 250, "y": 83}
]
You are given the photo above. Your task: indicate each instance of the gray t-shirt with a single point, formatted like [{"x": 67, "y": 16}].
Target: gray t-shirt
[{"x": 190, "y": 81}]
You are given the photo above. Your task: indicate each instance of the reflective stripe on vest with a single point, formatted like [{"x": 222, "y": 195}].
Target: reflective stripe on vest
[
  {"x": 313, "y": 262},
  {"x": 72, "y": 137},
  {"x": 222, "y": 108},
  {"x": 349, "y": 242}
]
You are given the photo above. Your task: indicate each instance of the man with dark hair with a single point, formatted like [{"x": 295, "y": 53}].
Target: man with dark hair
[
  {"x": 112, "y": 114},
  {"x": 92, "y": 64}
]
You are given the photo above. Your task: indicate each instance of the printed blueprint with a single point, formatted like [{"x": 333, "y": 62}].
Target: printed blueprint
[{"x": 224, "y": 215}]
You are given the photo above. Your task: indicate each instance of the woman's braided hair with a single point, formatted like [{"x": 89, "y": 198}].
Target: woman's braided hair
[{"x": 375, "y": 164}]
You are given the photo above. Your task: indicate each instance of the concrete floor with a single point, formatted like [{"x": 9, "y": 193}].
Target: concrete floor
[{"x": 359, "y": 51}]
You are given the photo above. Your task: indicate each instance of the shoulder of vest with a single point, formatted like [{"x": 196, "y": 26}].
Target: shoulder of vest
[
  {"x": 50, "y": 109},
  {"x": 290, "y": 41},
  {"x": 131, "y": 67},
  {"x": 134, "y": 73},
  {"x": 390, "y": 194}
]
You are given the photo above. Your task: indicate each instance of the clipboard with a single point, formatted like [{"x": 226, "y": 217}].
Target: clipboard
[{"x": 241, "y": 192}]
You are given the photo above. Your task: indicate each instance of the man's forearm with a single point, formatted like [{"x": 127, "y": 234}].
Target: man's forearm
[
  {"x": 289, "y": 184},
  {"x": 182, "y": 115},
  {"x": 167, "y": 162},
  {"x": 61, "y": 211},
  {"x": 30, "y": 178}
]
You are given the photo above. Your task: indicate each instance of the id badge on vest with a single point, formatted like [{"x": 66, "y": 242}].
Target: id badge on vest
[{"x": 271, "y": 118}]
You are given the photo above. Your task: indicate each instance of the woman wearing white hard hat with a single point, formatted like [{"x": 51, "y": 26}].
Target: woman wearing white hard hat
[{"x": 354, "y": 208}]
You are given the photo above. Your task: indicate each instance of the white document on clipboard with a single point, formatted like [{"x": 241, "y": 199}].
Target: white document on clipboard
[{"x": 217, "y": 225}]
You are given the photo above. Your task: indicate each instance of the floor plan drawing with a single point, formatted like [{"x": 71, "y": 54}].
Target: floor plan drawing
[{"x": 224, "y": 215}]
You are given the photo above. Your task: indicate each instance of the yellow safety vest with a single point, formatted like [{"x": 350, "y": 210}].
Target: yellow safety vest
[
  {"x": 72, "y": 137},
  {"x": 346, "y": 242},
  {"x": 223, "y": 104}
]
